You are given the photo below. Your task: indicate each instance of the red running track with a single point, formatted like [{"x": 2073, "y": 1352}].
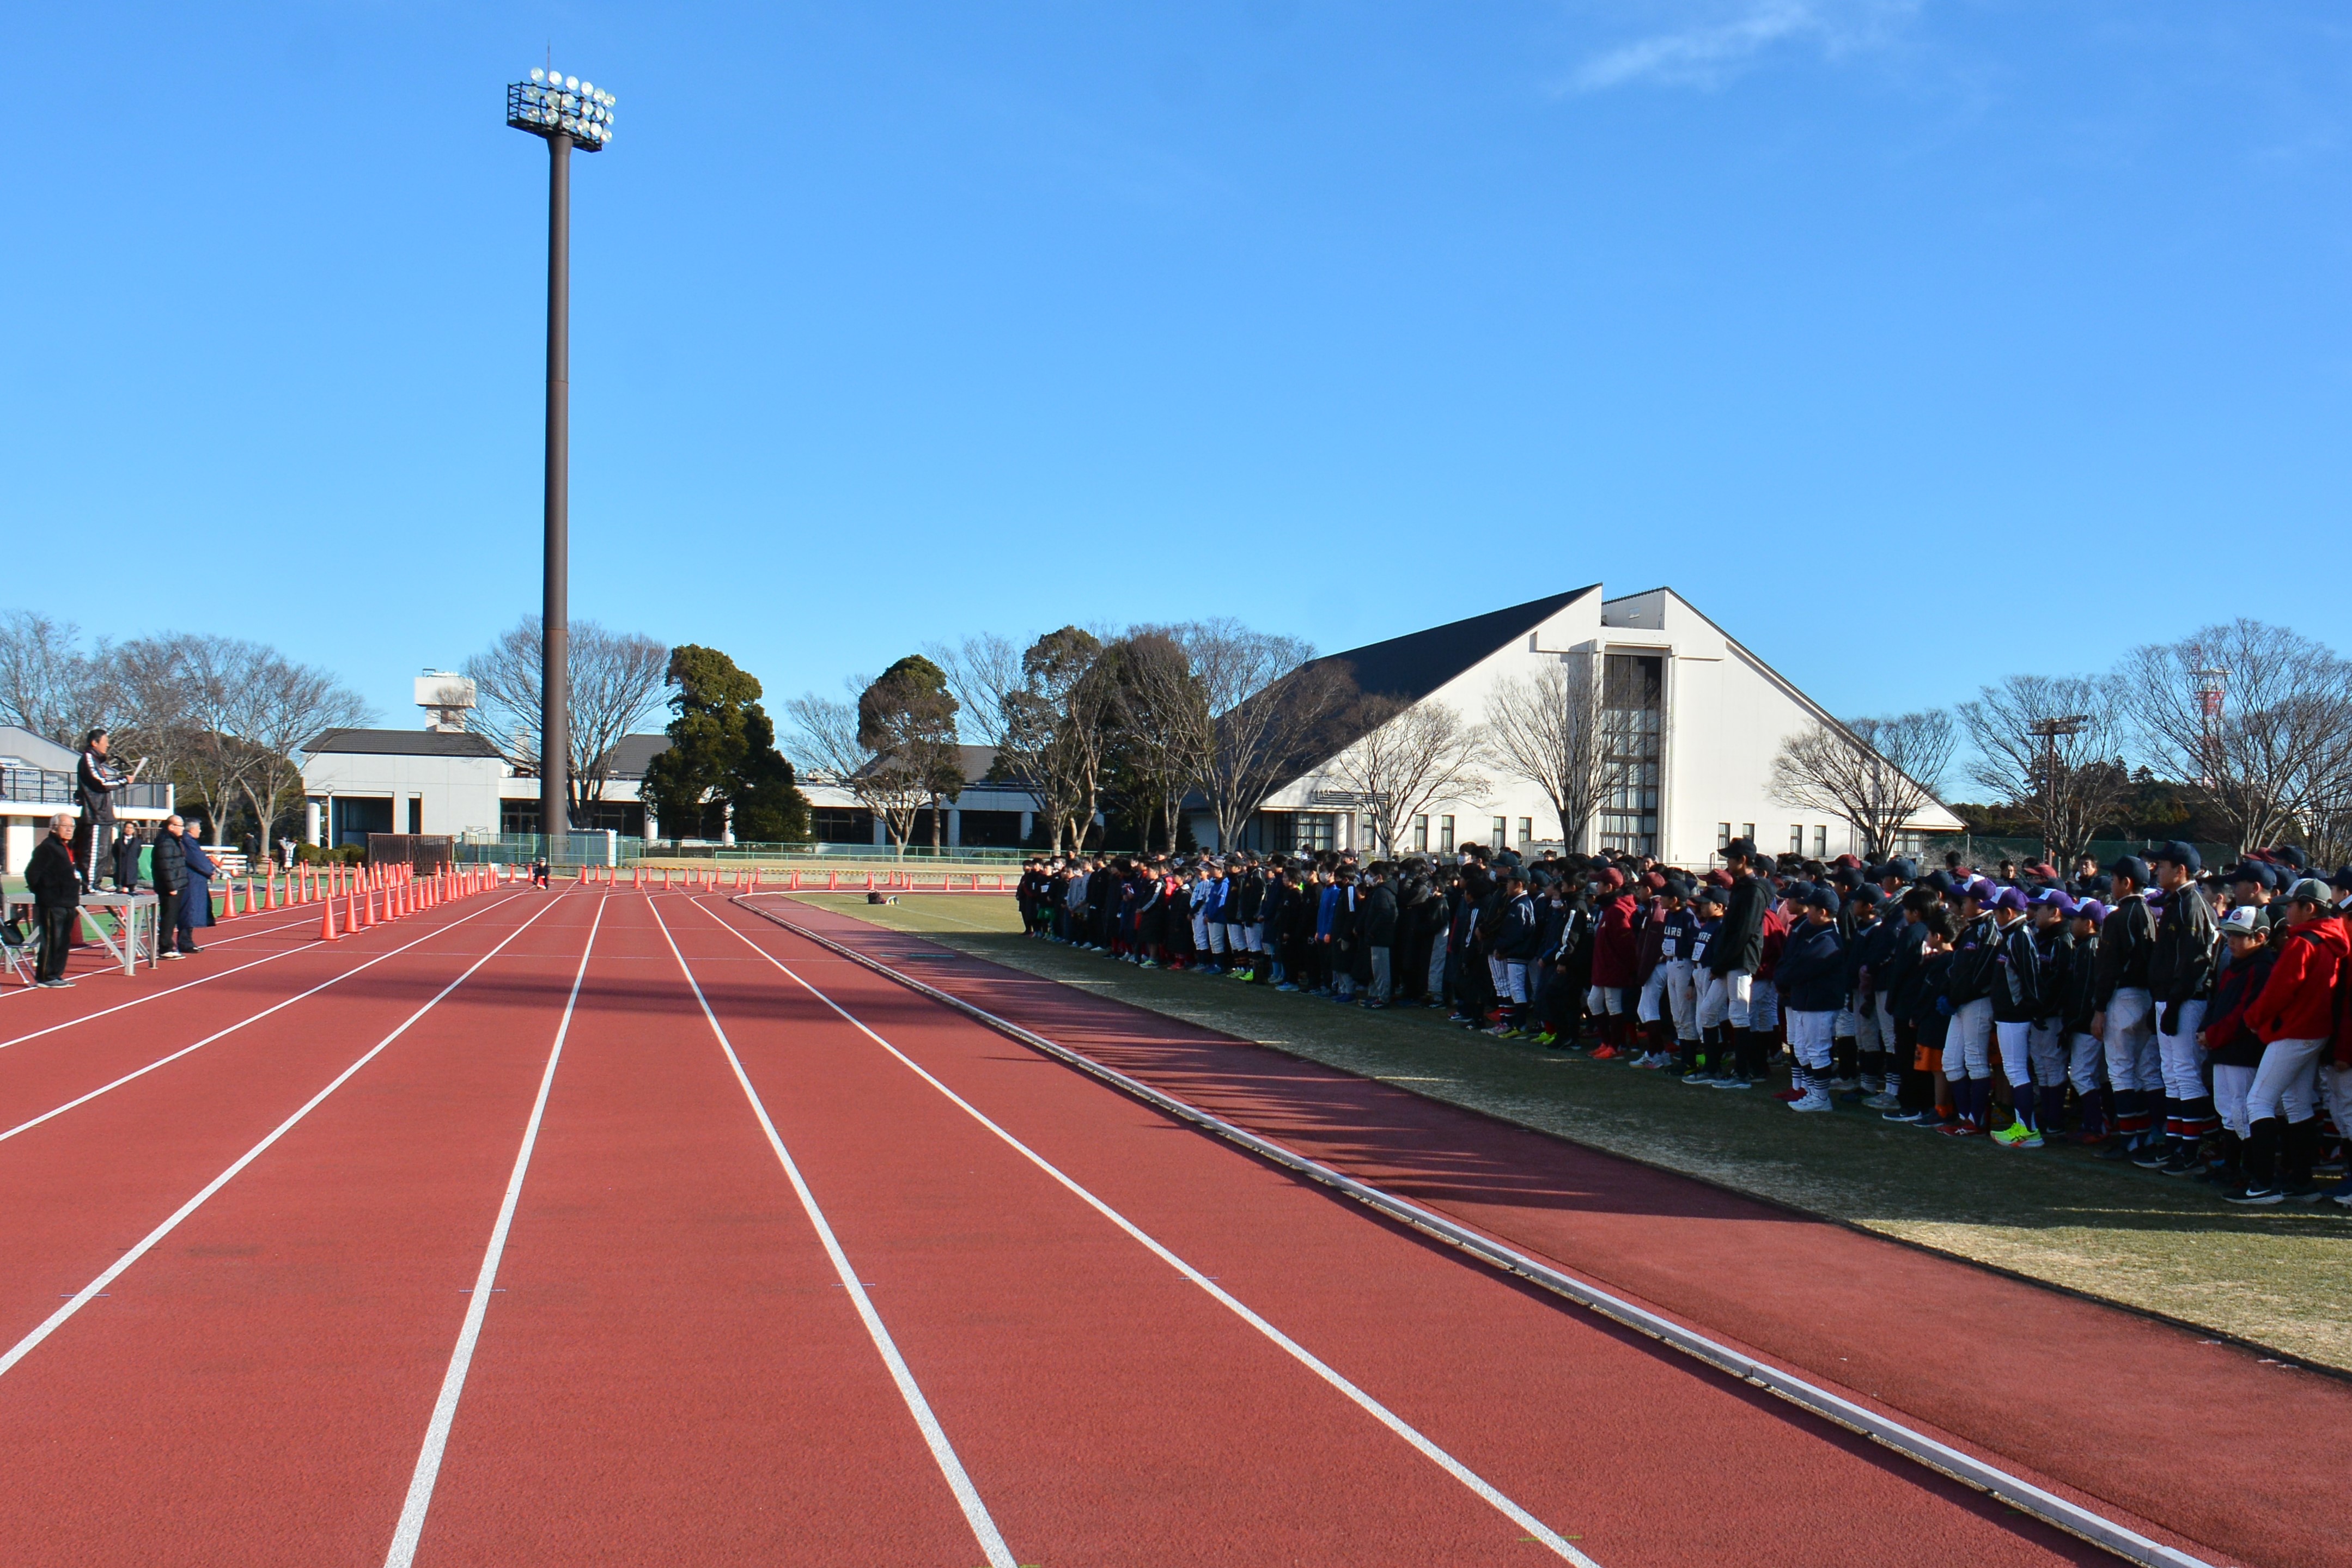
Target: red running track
[{"x": 1124, "y": 1341}]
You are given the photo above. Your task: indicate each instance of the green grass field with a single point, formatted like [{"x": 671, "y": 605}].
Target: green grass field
[{"x": 2275, "y": 1276}]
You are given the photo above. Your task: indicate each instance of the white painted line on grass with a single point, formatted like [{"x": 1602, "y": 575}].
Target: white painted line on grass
[
  {"x": 943, "y": 1454},
  {"x": 241, "y": 1023},
  {"x": 115, "y": 1271},
  {"x": 1478, "y": 1484},
  {"x": 411, "y": 1529}
]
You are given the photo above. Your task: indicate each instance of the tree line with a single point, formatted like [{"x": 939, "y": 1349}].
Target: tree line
[{"x": 2239, "y": 733}]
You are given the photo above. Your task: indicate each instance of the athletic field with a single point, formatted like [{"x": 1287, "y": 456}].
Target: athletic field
[{"x": 597, "y": 1226}]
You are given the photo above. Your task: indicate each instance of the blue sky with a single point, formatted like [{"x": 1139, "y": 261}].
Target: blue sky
[{"x": 897, "y": 322}]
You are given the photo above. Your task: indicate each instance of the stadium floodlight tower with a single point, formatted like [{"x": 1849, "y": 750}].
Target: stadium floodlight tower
[{"x": 564, "y": 112}]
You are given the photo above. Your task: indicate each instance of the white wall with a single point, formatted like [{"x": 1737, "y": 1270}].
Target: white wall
[{"x": 458, "y": 792}]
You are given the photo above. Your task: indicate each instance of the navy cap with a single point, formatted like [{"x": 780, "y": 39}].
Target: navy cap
[
  {"x": 2343, "y": 877},
  {"x": 2182, "y": 853},
  {"x": 1820, "y": 896},
  {"x": 2131, "y": 866},
  {"x": 2010, "y": 898},
  {"x": 1939, "y": 882},
  {"x": 2255, "y": 871},
  {"x": 2092, "y": 910}
]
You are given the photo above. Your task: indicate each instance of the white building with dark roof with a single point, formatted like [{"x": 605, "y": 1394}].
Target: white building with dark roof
[
  {"x": 363, "y": 781},
  {"x": 1698, "y": 719}
]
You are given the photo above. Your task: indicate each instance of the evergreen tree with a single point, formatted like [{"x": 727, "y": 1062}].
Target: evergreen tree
[{"x": 722, "y": 753}]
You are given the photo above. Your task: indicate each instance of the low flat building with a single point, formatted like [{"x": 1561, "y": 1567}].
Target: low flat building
[{"x": 363, "y": 781}]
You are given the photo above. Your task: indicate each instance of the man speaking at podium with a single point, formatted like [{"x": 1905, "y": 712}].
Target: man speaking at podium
[{"x": 95, "y": 785}]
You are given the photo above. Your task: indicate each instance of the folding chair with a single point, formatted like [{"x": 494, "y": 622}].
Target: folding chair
[{"x": 15, "y": 949}]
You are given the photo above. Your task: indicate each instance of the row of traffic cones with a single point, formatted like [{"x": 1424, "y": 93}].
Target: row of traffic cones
[{"x": 376, "y": 899}]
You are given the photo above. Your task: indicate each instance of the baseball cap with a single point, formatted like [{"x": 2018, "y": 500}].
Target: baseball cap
[
  {"x": 2255, "y": 871},
  {"x": 2311, "y": 890},
  {"x": 2010, "y": 898},
  {"x": 2243, "y": 921},
  {"x": 2182, "y": 853},
  {"x": 2092, "y": 910},
  {"x": 2131, "y": 866},
  {"x": 1819, "y": 895}
]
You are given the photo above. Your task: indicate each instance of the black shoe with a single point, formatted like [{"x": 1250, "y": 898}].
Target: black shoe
[
  {"x": 2256, "y": 1196},
  {"x": 2154, "y": 1156},
  {"x": 2183, "y": 1161}
]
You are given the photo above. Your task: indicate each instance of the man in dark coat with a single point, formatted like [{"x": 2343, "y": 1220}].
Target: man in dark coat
[
  {"x": 126, "y": 859},
  {"x": 56, "y": 887},
  {"x": 168, "y": 867},
  {"x": 95, "y": 782}
]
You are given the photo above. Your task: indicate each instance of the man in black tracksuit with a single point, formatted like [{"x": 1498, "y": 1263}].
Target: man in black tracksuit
[{"x": 1378, "y": 908}]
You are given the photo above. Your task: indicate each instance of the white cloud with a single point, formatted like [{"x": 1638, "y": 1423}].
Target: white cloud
[{"x": 1706, "y": 52}]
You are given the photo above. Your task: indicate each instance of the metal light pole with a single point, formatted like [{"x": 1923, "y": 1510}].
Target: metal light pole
[{"x": 565, "y": 113}]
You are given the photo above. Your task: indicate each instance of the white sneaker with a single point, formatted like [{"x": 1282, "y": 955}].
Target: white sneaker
[{"x": 1814, "y": 1100}]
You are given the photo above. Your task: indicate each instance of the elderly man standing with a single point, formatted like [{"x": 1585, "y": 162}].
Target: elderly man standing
[
  {"x": 56, "y": 887},
  {"x": 168, "y": 869}
]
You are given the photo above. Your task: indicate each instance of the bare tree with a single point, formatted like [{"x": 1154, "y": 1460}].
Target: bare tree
[
  {"x": 1271, "y": 709},
  {"x": 1053, "y": 732},
  {"x": 982, "y": 671},
  {"x": 826, "y": 747},
  {"x": 1874, "y": 773},
  {"x": 286, "y": 706},
  {"x": 1545, "y": 727},
  {"x": 49, "y": 684},
  {"x": 616, "y": 684},
  {"x": 2052, "y": 743},
  {"x": 1409, "y": 755},
  {"x": 2256, "y": 719}
]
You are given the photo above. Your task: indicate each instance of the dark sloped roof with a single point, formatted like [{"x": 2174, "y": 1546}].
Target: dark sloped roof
[
  {"x": 632, "y": 753},
  {"x": 403, "y": 743},
  {"x": 1409, "y": 668}
]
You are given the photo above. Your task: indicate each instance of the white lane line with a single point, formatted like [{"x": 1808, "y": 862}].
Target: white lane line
[
  {"x": 241, "y": 1023},
  {"x": 1305, "y": 1357},
  {"x": 411, "y": 1529},
  {"x": 114, "y": 969},
  {"x": 175, "y": 990},
  {"x": 943, "y": 1454},
  {"x": 115, "y": 1271}
]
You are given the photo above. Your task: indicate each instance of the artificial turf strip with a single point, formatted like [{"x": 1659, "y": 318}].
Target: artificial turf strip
[{"x": 2275, "y": 1276}]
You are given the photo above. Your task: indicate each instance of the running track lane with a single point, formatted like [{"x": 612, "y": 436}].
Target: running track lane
[
  {"x": 2211, "y": 1445},
  {"x": 247, "y": 1391},
  {"x": 1111, "y": 1412},
  {"x": 671, "y": 1373},
  {"x": 83, "y": 1185}
]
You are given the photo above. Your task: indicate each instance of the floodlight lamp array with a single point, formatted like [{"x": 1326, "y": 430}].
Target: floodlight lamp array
[{"x": 552, "y": 104}]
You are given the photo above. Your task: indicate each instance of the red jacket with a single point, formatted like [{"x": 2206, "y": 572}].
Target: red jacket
[
  {"x": 1776, "y": 938},
  {"x": 2299, "y": 1002},
  {"x": 1614, "y": 950}
]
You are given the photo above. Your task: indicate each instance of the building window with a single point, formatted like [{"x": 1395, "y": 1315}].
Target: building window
[
  {"x": 841, "y": 825},
  {"x": 1796, "y": 838},
  {"x": 1821, "y": 842},
  {"x": 1421, "y": 834},
  {"x": 1723, "y": 835},
  {"x": 1526, "y": 832},
  {"x": 1747, "y": 832},
  {"x": 1502, "y": 838},
  {"x": 1445, "y": 835},
  {"x": 1633, "y": 731},
  {"x": 1299, "y": 833},
  {"x": 416, "y": 815}
]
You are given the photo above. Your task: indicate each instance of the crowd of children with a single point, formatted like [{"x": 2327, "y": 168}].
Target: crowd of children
[{"x": 2192, "y": 1022}]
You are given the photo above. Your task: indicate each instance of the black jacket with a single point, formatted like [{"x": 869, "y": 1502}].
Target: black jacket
[
  {"x": 50, "y": 874},
  {"x": 1379, "y": 910},
  {"x": 2126, "y": 941},
  {"x": 2056, "y": 946},
  {"x": 1810, "y": 973},
  {"x": 2180, "y": 964},
  {"x": 2016, "y": 977},
  {"x": 126, "y": 863},
  {"x": 168, "y": 866},
  {"x": 1738, "y": 944},
  {"x": 2081, "y": 984},
  {"x": 95, "y": 781},
  {"x": 1519, "y": 931}
]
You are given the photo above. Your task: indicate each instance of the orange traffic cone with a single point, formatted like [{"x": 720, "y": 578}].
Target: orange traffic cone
[{"x": 326, "y": 932}]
